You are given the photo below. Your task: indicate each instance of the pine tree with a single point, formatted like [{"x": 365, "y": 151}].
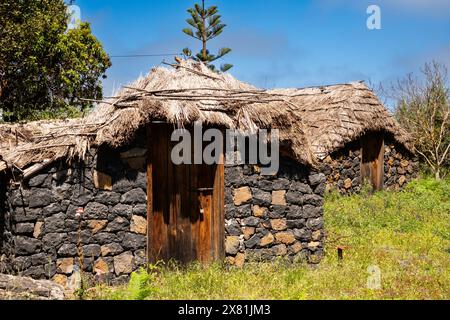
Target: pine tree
[{"x": 206, "y": 26}]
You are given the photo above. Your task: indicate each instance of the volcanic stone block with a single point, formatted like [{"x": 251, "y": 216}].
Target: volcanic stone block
[
  {"x": 36, "y": 181},
  {"x": 233, "y": 228},
  {"x": 242, "y": 196},
  {"x": 122, "y": 186},
  {"x": 122, "y": 210},
  {"x": 313, "y": 199},
  {"x": 38, "y": 227},
  {"x": 315, "y": 223},
  {"x": 241, "y": 211},
  {"x": 134, "y": 196},
  {"x": 267, "y": 240},
  {"x": 310, "y": 211},
  {"x": 54, "y": 223},
  {"x": 65, "y": 265},
  {"x": 40, "y": 198},
  {"x": 251, "y": 222},
  {"x": 84, "y": 237},
  {"x": 81, "y": 196},
  {"x": 52, "y": 209},
  {"x": 234, "y": 176},
  {"x": 24, "y": 228},
  {"x": 280, "y": 184},
  {"x": 53, "y": 240},
  {"x": 279, "y": 197},
  {"x": 248, "y": 232},
  {"x": 103, "y": 238},
  {"x": 252, "y": 242},
  {"x": 138, "y": 225},
  {"x": 258, "y": 211},
  {"x": 261, "y": 198},
  {"x": 96, "y": 211},
  {"x": 294, "y": 197},
  {"x": 111, "y": 249},
  {"x": 26, "y": 245},
  {"x": 97, "y": 225},
  {"x": 92, "y": 250},
  {"x": 35, "y": 272},
  {"x": 21, "y": 263},
  {"x": 277, "y": 211},
  {"x": 302, "y": 234},
  {"x": 140, "y": 210},
  {"x": 296, "y": 224},
  {"x": 316, "y": 179},
  {"x": 232, "y": 245},
  {"x": 133, "y": 241},
  {"x": 279, "y": 250},
  {"x": 118, "y": 224},
  {"x": 68, "y": 250},
  {"x": 278, "y": 224},
  {"x": 107, "y": 198},
  {"x": 294, "y": 212},
  {"x": 40, "y": 259},
  {"x": 286, "y": 237},
  {"x": 123, "y": 263}
]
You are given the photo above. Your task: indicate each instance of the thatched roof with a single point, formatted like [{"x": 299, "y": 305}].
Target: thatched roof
[
  {"x": 29, "y": 146},
  {"x": 338, "y": 114},
  {"x": 312, "y": 122}
]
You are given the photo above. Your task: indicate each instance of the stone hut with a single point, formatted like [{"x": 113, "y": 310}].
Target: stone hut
[
  {"x": 354, "y": 138},
  {"x": 100, "y": 196}
]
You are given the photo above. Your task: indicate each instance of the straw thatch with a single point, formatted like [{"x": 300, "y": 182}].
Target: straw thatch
[
  {"x": 338, "y": 114},
  {"x": 31, "y": 146},
  {"x": 312, "y": 122}
]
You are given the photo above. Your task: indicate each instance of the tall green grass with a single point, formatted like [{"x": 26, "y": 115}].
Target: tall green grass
[{"x": 406, "y": 234}]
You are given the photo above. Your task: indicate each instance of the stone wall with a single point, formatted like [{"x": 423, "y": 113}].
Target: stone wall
[
  {"x": 342, "y": 168},
  {"x": 88, "y": 216},
  {"x": 273, "y": 216},
  {"x": 5, "y": 235},
  {"x": 89, "y": 219}
]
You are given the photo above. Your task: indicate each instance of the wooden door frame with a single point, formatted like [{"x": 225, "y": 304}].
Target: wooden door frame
[{"x": 216, "y": 227}]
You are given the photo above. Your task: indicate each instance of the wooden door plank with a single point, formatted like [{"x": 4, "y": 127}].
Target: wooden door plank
[
  {"x": 173, "y": 200},
  {"x": 372, "y": 160},
  {"x": 204, "y": 199},
  {"x": 161, "y": 218},
  {"x": 219, "y": 185},
  {"x": 150, "y": 253}
]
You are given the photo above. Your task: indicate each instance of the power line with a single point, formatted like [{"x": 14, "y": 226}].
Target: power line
[{"x": 145, "y": 55}]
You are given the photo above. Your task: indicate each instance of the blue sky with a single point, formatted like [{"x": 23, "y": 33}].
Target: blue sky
[{"x": 279, "y": 43}]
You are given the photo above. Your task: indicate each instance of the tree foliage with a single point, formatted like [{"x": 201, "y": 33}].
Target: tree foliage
[
  {"x": 205, "y": 25},
  {"x": 423, "y": 108},
  {"x": 45, "y": 69}
]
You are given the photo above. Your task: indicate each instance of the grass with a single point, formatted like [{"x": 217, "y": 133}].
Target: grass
[{"x": 405, "y": 234}]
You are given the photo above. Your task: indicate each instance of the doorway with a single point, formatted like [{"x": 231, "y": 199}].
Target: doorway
[{"x": 186, "y": 204}]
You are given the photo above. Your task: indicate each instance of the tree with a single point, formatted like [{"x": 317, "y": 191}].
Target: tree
[
  {"x": 45, "y": 69},
  {"x": 424, "y": 110},
  {"x": 206, "y": 25}
]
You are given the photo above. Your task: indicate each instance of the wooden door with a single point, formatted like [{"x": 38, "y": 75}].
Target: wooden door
[
  {"x": 372, "y": 160},
  {"x": 185, "y": 204}
]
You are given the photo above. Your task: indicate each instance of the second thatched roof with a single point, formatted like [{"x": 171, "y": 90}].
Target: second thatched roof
[{"x": 313, "y": 122}]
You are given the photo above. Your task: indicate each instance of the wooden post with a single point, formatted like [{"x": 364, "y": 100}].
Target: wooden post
[{"x": 150, "y": 257}]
